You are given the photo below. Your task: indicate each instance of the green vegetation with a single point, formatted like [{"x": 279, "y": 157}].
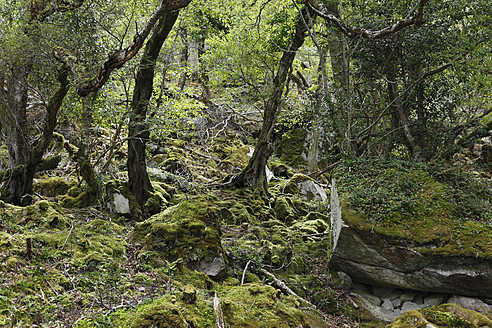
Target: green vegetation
[
  {"x": 429, "y": 206},
  {"x": 136, "y": 138}
]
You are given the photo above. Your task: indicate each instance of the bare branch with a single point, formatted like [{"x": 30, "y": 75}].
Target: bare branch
[
  {"x": 352, "y": 32},
  {"x": 119, "y": 57}
]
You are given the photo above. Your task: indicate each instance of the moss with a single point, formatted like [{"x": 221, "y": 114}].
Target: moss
[
  {"x": 283, "y": 210},
  {"x": 373, "y": 324},
  {"x": 403, "y": 201},
  {"x": 52, "y": 186},
  {"x": 186, "y": 231},
  {"x": 280, "y": 170},
  {"x": 267, "y": 307},
  {"x": 161, "y": 313},
  {"x": 452, "y": 315},
  {"x": 81, "y": 200},
  {"x": 291, "y": 148},
  {"x": 42, "y": 215},
  {"x": 155, "y": 203}
]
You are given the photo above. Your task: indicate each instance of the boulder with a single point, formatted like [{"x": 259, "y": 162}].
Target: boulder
[
  {"x": 470, "y": 303},
  {"x": 303, "y": 185},
  {"x": 188, "y": 232},
  {"x": 378, "y": 259}
]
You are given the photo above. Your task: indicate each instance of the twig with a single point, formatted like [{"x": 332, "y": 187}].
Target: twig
[
  {"x": 326, "y": 169},
  {"x": 68, "y": 236},
  {"x": 316, "y": 234},
  {"x": 244, "y": 272},
  {"x": 283, "y": 287},
  {"x": 219, "y": 316}
]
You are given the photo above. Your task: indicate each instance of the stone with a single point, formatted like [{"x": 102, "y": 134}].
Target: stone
[
  {"x": 312, "y": 191},
  {"x": 189, "y": 294},
  {"x": 470, "y": 303},
  {"x": 376, "y": 259},
  {"x": 303, "y": 185},
  {"x": 408, "y": 297},
  {"x": 121, "y": 204},
  {"x": 396, "y": 303},
  {"x": 433, "y": 299},
  {"x": 409, "y": 306},
  {"x": 345, "y": 281},
  {"x": 387, "y": 305},
  {"x": 369, "y": 302},
  {"x": 367, "y": 297},
  {"x": 214, "y": 268},
  {"x": 386, "y": 292}
]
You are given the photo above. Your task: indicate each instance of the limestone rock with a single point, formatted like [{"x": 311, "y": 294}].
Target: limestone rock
[
  {"x": 409, "y": 306},
  {"x": 470, "y": 303},
  {"x": 121, "y": 204},
  {"x": 303, "y": 185},
  {"x": 434, "y": 299},
  {"x": 377, "y": 259}
]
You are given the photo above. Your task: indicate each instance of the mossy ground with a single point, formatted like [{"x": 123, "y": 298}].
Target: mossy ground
[{"x": 88, "y": 268}]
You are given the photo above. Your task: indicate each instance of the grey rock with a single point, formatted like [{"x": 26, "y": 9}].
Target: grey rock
[
  {"x": 434, "y": 299},
  {"x": 375, "y": 259},
  {"x": 387, "y": 305},
  {"x": 408, "y": 306},
  {"x": 345, "y": 280},
  {"x": 367, "y": 297},
  {"x": 380, "y": 313},
  {"x": 386, "y": 292},
  {"x": 121, "y": 204},
  {"x": 470, "y": 303},
  {"x": 312, "y": 191},
  {"x": 408, "y": 297},
  {"x": 396, "y": 303},
  {"x": 214, "y": 268}
]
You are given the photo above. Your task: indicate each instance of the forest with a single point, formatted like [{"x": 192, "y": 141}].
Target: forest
[{"x": 264, "y": 163}]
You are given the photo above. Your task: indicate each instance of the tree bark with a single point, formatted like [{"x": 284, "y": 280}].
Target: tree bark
[
  {"x": 25, "y": 161},
  {"x": 138, "y": 129},
  {"x": 254, "y": 173}
]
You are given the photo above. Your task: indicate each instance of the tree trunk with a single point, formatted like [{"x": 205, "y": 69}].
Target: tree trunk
[
  {"x": 254, "y": 173},
  {"x": 138, "y": 179},
  {"x": 25, "y": 161},
  {"x": 336, "y": 47},
  {"x": 403, "y": 121},
  {"x": 86, "y": 169}
]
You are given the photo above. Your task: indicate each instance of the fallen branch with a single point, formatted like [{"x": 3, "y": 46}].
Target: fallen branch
[
  {"x": 219, "y": 316},
  {"x": 283, "y": 287},
  {"x": 326, "y": 169},
  {"x": 244, "y": 272}
]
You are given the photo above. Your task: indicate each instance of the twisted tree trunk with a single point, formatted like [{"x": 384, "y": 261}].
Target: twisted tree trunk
[
  {"x": 254, "y": 173},
  {"x": 138, "y": 129}
]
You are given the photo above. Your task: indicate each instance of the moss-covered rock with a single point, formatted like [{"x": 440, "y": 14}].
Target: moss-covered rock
[
  {"x": 442, "y": 316},
  {"x": 52, "y": 186},
  {"x": 291, "y": 148},
  {"x": 283, "y": 210},
  {"x": 187, "y": 231}
]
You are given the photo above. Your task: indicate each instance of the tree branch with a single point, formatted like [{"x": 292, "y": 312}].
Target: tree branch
[
  {"x": 353, "y": 32},
  {"x": 119, "y": 57}
]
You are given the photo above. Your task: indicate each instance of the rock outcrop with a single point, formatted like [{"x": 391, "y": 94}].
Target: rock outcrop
[{"x": 376, "y": 259}]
